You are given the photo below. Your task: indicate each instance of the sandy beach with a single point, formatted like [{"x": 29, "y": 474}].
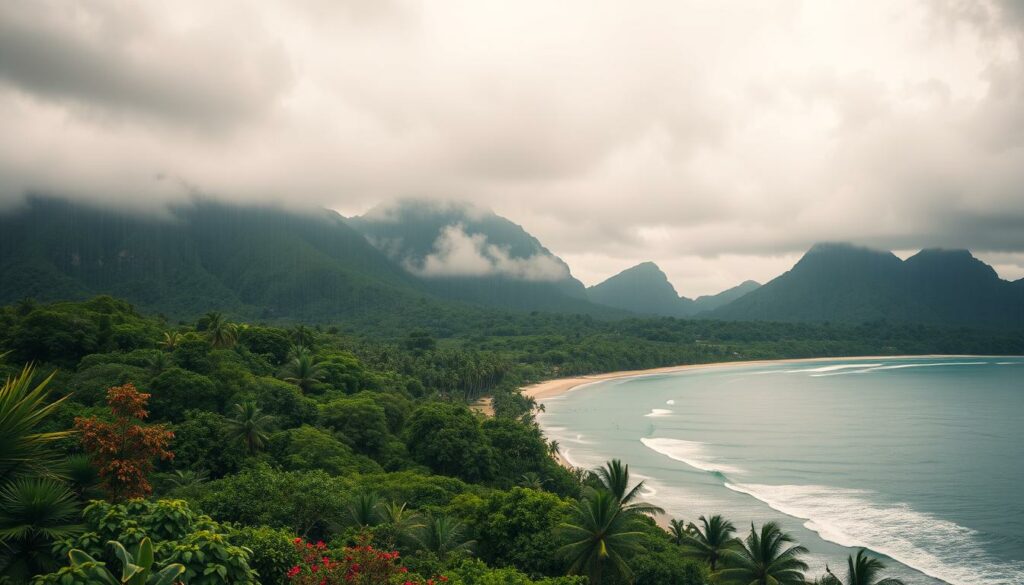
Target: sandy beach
[{"x": 551, "y": 388}]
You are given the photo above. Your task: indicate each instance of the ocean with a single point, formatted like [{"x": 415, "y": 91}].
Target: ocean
[{"x": 920, "y": 460}]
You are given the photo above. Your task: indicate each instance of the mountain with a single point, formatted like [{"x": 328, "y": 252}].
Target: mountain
[
  {"x": 248, "y": 261},
  {"x": 643, "y": 289},
  {"x": 712, "y": 302},
  {"x": 841, "y": 282},
  {"x": 467, "y": 253}
]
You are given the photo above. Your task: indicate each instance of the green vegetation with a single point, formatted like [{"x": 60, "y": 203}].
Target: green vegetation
[{"x": 360, "y": 446}]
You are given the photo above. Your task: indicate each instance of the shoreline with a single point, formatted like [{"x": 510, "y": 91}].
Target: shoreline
[{"x": 558, "y": 386}]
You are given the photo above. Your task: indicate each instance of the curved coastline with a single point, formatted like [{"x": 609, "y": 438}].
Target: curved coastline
[{"x": 558, "y": 386}]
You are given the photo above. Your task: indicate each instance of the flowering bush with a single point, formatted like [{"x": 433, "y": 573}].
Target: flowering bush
[{"x": 356, "y": 565}]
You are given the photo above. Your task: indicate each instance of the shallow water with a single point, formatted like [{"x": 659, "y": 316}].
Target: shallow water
[{"x": 917, "y": 459}]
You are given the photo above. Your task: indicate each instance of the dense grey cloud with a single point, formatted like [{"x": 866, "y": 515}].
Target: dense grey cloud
[{"x": 718, "y": 139}]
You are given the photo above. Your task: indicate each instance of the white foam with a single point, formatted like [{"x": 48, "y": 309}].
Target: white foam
[
  {"x": 882, "y": 367},
  {"x": 659, "y": 412},
  {"x": 691, "y": 453},
  {"x": 1009, "y": 363},
  {"x": 670, "y": 402},
  {"x": 830, "y": 368},
  {"x": 936, "y": 547}
]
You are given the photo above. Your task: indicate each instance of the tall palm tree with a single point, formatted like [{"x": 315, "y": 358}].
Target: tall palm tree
[
  {"x": 709, "y": 541},
  {"x": 398, "y": 524},
  {"x": 250, "y": 425},
  {"x": 768, "y": 557},
  {"x": 34, "y": 513},
  {"x": 23, "y": 406},
  {"x": 861, "y": 570},
  {"x": 614, "y": 476},
  {"x": 678, "y": 530},
  {"x": 443, "y": 535},
  {"x": 600, "y": 532},
  {"x": 303, "y": 371}
]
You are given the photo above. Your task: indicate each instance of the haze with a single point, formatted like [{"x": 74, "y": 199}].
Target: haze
[{"x": 719, "y": 139}]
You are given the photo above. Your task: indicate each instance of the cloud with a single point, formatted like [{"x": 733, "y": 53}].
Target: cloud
[
  {"x": 676, "y": 131},
  {"x": 457, "y": 253}
]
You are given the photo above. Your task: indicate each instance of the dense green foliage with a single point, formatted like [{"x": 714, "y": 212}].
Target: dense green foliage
[{"x": 374, "y": 444}]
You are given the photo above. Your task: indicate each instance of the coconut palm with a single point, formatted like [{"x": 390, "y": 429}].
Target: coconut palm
[
  {"x": 600, "y": 532},
  {"x": 185, "y": 478},
  {"x": 23, "y": 407},
  {"x": 768, "y": 557},
  {"x": 170, "y": 340},
  {"x": 250, "y": 425},
  {"x": 532, "y": 480},
  {"x": 303, "y": 370},
  {"x": 554, "y": 449},
  {"x": 710, "y": 540},
  {"x": 614, "y": 476},
  {"x": 678, "y": 530},
  {"x": 398, "y": 524},
  {"x": 34, "y": 514},
  {"x": 363, "y": 510},
  {"x": 443, "y": 535},
  {"x": 861, "y": 570},
  {"x": 219, "y": 331}
]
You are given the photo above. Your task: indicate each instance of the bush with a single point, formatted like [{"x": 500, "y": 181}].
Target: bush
[{"x": 272, "y": 551}]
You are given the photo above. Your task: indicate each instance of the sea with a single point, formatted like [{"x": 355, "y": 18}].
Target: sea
[{"x": 918, "y": 460}]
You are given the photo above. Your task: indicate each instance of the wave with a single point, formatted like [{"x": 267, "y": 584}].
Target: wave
[
  {"x": 868, "y": 368},
  {"x": 829, "y": 368},
  {"x": 691, "y": 453},
  {"x": 659, "y": 412},
  {"x": 936, "y": 547},
  {"x": 670, "y": 402}
]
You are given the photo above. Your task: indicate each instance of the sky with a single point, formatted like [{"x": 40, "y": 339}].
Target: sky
[{"x": 718, "y": 139}]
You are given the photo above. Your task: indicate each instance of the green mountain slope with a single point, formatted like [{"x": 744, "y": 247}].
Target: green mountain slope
[
  {"x": 249, "y": 261},
  {"x": 643, "y": 289},
  {"x": 471, "y": 254},
  {"x": 712, "y": 302},
  {"x": 840, "y": 282}
]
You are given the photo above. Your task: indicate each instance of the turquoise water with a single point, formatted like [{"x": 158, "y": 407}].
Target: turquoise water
[{"x": 919, "y": 459}]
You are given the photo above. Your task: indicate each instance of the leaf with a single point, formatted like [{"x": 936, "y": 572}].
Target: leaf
[{"x": 168, "y": 574}]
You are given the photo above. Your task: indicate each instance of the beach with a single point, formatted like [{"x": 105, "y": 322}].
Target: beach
[{"x": 555, "y": 387}]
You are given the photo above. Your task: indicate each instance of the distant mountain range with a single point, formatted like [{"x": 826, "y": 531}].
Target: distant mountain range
[
  {"x": 644, "y": 289},
  {"x": 269, "y": 263}
]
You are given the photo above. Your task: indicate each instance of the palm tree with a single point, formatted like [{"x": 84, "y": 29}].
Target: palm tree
[
  {"x": 185, "y": 478},
  {"x": 82, "y": 476},
  {"x": 532, "y": 480},
  {"x": 398, "y": 524},
  {"x": 443, "y": 535},
  {"x": 170, "y": 340},
  {"x": 614, "y": 476},
  {"x": 678, "y": 530},
  {"x": 764, "y": 558},
  {"x": 219, "y": 331},
  {"x": 34, "y": 513},
  {"x": 23, "y": 406},
  {"x": 709, "y": 541},
  {"x": 600, "y": 533},
  {"x": 363, "y": 510},
  {"x": 303, "y": 370},
  {"x": 250, "y": 425},
  {"x": 302, "y": 336},
  {"x": 554, "y": 449},
  {"x": 861, "y": 570}
]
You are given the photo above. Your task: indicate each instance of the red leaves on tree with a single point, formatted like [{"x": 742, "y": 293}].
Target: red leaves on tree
[
  {"x": 356, "y": 565},
  {"x": 123, "y": 450}
]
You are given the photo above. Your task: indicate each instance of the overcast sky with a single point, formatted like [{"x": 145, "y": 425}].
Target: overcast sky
[{"x": 717, "y": 138}]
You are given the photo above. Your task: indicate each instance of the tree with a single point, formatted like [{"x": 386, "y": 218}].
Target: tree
[
  {"x": 600, "y": 532},
  {"x": 678, "y": 530},
  {"x": 398, "y": 524},
  {"x": 764, "y": 558},
  {"x": 24, "y": 406},
  {"x": 177, "y": 390},
  {"x": 123, "y": 450},
  {"x": 443, "y": 536},
  {"x": 362, "y": 510},
  {"x": 710, "y": 540},
  {"x": 34, "y": 513},
  {"x": 303, "y": 370},
  {"x": 250, "y": 426},
  {"x": 614, "y": 476},
  {"x": 360, "y": 422},
  {"x": 861, "y": 570},
  {"x": 219, "y": 332},
  {"x": 448, "y": 439},
  {"x": 170, "y": 340},
  {"x": 518, "y": 527}
]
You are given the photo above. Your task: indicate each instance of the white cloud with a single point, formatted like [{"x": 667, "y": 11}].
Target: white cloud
[{"x": 457, "y": 253}]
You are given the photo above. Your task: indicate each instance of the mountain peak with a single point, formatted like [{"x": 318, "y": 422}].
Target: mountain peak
[{"x": 643, "y": 289}]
